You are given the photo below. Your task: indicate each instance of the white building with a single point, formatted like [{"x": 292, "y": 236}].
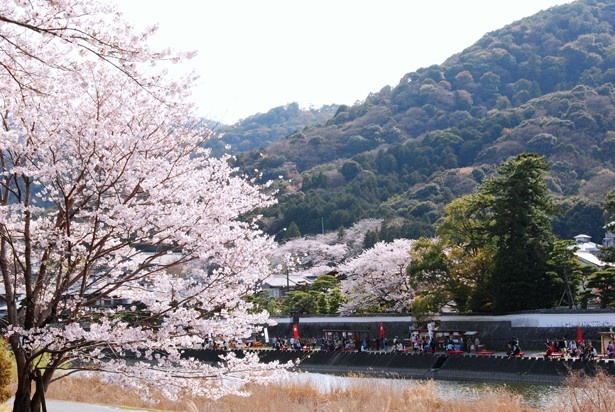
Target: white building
[
  {"x": 278, "y": 285},
  {"x": 587, "y": 251}
]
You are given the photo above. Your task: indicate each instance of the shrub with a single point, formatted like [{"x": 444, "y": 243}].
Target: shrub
[{"x": 6, "y": 373}]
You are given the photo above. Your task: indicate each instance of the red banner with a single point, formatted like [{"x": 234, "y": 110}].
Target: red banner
[
  {"x": 579, "y": 334},
  {"x": 381, "y": 331},
  {"x": 295, "y": 331}
]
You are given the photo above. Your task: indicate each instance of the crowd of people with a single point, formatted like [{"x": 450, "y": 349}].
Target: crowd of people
[
  {"x": 423, "y": 344},
  {"x": 583, "y": 349},
  {"x": 414, "y": 344}
]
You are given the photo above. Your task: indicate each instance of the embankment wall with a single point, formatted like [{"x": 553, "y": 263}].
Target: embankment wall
[{"x": 427, "y": 366}]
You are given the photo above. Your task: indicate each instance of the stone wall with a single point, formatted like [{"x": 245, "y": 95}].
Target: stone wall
[{"x": 427, "y": 366}]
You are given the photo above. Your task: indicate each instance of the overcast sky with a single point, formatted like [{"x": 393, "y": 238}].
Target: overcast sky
[{"x": 254, "y": 55}]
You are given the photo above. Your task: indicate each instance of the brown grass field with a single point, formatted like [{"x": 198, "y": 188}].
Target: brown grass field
[{"x": 578, "y": 394}]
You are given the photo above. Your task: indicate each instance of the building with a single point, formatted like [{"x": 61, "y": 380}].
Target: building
[
  {"x": 279, "y": 285},
  {"x": 588, "y": 252},
  {"x": 609, "y": 237}
]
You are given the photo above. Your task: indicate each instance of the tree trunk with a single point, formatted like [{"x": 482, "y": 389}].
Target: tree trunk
[
  {"x": 23, "y": 395},
  {"x": 39, "y": 394},
  {"x": 29, "y": 377},
  {"x": 24, "y": 400}
]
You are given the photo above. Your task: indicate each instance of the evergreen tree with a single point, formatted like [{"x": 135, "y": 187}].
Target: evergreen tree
[
  {"x": 602, "y": 285},
  {"x": 341, "y": 233},
  {"x": 607, "y": 254},
  {"x": 521, "y": 229},
  {"x": 371, "y": 238},
  {"x": 292, "y": 232},
  {"x": 567, "y": 270}
]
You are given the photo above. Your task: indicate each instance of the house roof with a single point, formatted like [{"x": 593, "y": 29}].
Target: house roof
[
  {"x": 279, "y": 281},
  {"x": 587, "y": 258},
  {"x": 583, "y": 244}
]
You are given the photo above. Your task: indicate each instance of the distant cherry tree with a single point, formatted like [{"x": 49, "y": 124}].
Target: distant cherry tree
[
  {"x": 310, "y": 256},
  {"x": 119, "y": 235},
  {"x": 376, "y": 280}
]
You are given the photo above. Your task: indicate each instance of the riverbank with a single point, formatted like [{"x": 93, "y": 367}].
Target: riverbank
[{"x": 497, "y": 368}]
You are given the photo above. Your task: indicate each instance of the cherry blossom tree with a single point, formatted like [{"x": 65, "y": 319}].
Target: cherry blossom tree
[
  {"x": 310, "y": 256},
  {"x": 376, "y": 280},
  {"x": 106, "y": 194},
  {"x": 319, "y": 254}
]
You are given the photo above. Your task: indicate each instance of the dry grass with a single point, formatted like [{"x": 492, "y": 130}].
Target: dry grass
[
  {"x": 596, "y": 394},
  {"x": 580, "y": 394},
  {"x": 302, "y": 398}
]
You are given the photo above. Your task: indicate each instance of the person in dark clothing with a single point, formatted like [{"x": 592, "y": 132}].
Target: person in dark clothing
[{"x": 514, "y": 349}]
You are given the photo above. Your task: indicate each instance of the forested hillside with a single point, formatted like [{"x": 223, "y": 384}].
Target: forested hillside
[
  {"x": 544, "y": 84},
  {"x": 260, "y": 130}
]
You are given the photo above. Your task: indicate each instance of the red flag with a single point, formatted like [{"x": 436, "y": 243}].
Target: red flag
[
  {"x": 579, "y": 334},
  {"x": 381, "y": 331},
  {"x": 295, "y": 331}
]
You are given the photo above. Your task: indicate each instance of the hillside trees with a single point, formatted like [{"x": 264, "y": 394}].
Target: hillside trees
[
  {"x": 540, "y": 85},
  {"x": 262, "y": 129},
  {"x": 105, "y": 194}
]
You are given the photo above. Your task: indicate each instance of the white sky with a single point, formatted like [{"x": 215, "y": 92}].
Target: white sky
[{"x": 254, "y": 55}]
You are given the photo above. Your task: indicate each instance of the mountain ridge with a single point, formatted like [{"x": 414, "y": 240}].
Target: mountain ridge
[{"x": 542, "y": 84}]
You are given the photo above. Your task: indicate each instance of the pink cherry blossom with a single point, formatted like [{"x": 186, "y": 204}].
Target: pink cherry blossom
[
  {"x": 107, "y": 196},
  {"x": 376, "y": 280}
]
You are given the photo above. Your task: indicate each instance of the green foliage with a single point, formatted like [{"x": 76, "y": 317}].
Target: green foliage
[
  {"x": 578, "y": 215},
  {"x": 521, "y": 229},
  {"x": 602, "y": 284},
  {"x": 264, "y": 301},
  {"x": 565, "y": 267},
  {"x": 260, "y": 130},
  {"x": 496, "y": 251},
  {"x": 292, "y": 232},
  {"x": 323, "y": 296},
  {"x": 350, "y": 170},
  {"x": 464, "y": 232},
  {"x": 429, "y": 273},
  {"x": 370, "y": 239},
  {"x": 303, "y": 300},
  {"x": 7, "y": 372}
]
